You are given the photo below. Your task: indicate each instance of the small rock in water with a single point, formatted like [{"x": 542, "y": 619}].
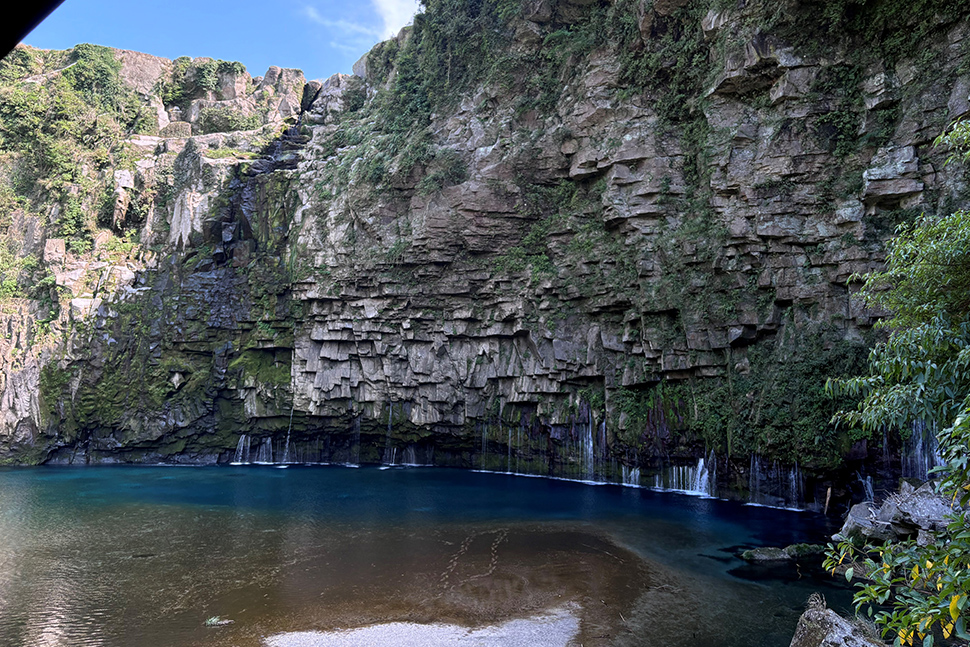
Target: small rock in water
[
  {"x": 766, "y": 554},
  {"x": 774, "y": 554},
  {"x": 804, "y": 550},
  {"x": 217, "y": 621}
]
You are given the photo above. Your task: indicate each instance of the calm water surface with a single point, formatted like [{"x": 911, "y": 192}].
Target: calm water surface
[{"x": 130, "y": 556}]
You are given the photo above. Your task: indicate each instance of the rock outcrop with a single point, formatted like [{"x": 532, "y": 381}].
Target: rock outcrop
[
  {"x": 822, "y": 627},
  {"x": 911, "y": 513}
]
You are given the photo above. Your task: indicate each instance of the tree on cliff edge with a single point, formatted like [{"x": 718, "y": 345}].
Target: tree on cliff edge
[{"x": 921, "y": 374}]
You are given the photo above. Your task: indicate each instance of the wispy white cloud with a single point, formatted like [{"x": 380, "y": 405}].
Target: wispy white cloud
[
  {"x": 395, "y": 14},
  {"x": 346, "y": 27},
  {"x": 349, "y": 49}
]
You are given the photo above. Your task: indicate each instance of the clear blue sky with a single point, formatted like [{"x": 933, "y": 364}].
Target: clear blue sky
[{"x": 320, "y": 37}]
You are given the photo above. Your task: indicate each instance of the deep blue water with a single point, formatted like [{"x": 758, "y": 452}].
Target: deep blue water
[{"x": 144, "y": 555}]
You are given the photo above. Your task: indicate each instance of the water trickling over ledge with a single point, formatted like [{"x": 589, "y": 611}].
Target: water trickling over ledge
[
  {"x": 581, "y": 454},
  {"x": 518, "y": 441},
  {"x": 775, "y": 485},
  {"x": 920, "y": 451},
  {"x": 699, "y": 479}
]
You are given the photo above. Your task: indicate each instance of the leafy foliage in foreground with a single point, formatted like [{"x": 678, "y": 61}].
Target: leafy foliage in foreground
[
  {"x": 926, "y": 587},
  {"x": 922, "y": 373}
]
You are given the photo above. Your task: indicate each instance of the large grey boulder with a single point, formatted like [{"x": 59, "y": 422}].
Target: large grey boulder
[
  {"x": 141, "y": 72},
  {"x": 916, "y": 509},
  {"x": 822, "y": 627},
  {"x": 910, "y": 512},
  {"x": 328, "y": 99},
  {"x": 862, "y": 522}
]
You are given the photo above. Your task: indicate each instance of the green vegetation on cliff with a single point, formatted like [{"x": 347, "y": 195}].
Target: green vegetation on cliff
[
  {"x": 774, "y": 406},
  {"x": 63, "y": 120},
  {"x": 921, "y": 374},
  {"x": 191, "y": 79},
  {"x": 224, "y": 119}
]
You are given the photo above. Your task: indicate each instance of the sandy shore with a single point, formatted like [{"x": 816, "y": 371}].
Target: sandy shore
[{"x": 556, "y": 628}]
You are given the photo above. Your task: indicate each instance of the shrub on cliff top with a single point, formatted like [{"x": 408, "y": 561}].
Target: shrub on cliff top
[
  {"x": 178, "y": 90},
  {"x": 223, "y": 119},
  {"x": 18, "y": 64},
  {"x": 94, "y": 73},
  {"x": 59, "y": 134}
]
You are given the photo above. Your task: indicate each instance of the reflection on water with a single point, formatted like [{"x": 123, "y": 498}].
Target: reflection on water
[{"x": 145, "y": 556}]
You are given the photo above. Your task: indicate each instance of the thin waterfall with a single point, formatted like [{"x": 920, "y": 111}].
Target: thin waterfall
[
  {"x": 754, "y": 479},
  {"x": 796, "y": 495},
  {"x": 508, "y": 463},
  {"x": 265, "y": 453},
  {"x": 410, "y": 456},
  {"x": 666, "y": 478},
  {"x": 757, "y": 494},
  {"x": 707, "y": 475},
  {"x": 775, "y": 485},
  {"x": 286, "y": 448},
  {"x": 630, "y": 475},
  {"x": 588, "y": 449},
  {"x": 696, "y": 479},
  {"x": 388, "y": 454},
  {"x": 867, "y": 489},
  {"x": 357, "y": 440},
  {"x": 484, "y": 444},
  {"x": 242, "y": 450},
  {"x": 601, "y": 441},
  {"x": 921, "y": 451}
]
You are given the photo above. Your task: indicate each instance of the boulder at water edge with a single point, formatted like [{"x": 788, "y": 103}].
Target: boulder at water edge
[{"x": 911, "y": 512}]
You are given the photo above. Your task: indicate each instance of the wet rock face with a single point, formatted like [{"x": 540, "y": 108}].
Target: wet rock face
[{"x": 569, "y": 287}]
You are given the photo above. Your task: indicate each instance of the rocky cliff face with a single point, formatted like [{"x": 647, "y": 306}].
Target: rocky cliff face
[{"x": 570, "y": 238}]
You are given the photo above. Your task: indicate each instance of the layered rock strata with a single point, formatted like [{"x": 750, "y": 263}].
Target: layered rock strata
[{"x": 591, "y": 280}]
